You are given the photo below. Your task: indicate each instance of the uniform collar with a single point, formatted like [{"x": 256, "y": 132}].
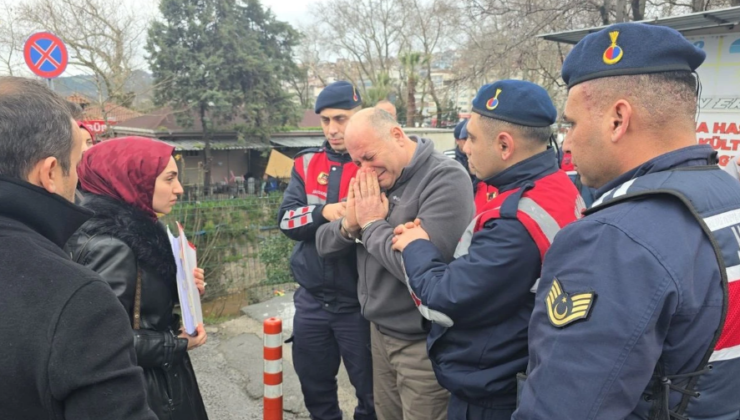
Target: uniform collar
[
  {"x": 530, "y": 169},
  {"x": 48, "y": 214},
  {"x": 698, "y": 155},
  {"x": 461, "y": 157},
  {"x": 335, "y": 156}
]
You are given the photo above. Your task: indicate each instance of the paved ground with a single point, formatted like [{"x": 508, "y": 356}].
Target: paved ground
[{"x": 229, "y": 367}]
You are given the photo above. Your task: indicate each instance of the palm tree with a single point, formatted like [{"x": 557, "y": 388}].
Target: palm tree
[
  {"x": 380, "y": 90},
  {"x": 410, "y": 61}
]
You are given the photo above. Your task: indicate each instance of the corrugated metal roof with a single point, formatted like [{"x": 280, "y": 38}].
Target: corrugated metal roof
[
  {"x": 711, "y": 22},
  {"x": 215, "y": 145},
  {"x": 298, "y": 142}
]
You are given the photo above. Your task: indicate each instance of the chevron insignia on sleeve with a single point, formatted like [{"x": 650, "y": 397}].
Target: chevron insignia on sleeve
[
  {"x": 296, "y": 218},
  {"x": 564, "y": 308}
]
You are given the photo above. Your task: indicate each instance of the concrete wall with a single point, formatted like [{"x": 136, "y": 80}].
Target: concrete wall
[{"x": 443, "y": 138}]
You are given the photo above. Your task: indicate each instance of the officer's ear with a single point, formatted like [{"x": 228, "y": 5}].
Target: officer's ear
[
  {"x": 619, "y": 117},
  {"x": 505, "y": 145}
]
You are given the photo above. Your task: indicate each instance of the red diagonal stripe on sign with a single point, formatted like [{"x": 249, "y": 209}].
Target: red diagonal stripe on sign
[{"x": 46, "y": 55}]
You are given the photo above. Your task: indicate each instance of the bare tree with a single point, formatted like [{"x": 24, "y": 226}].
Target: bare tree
[
  {"x": 427, "y": 30},
  {"x": 312, "y": 53},
  {"x": 298, "y": 82},
  {"x": 621, "y": 6},
  {"x": 101, "y": 36},
  {"x": 365, "y": 34},
  {"x": 12, "y": 37},
  {"x": 698, "y": 5},
  {"x": 479, "y": 41}
]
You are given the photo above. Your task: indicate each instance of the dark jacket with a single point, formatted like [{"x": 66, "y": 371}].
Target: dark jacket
[
  {"x": 119, "y": 240},
  {"x": 66, "y": 352},
  {"x": 487, "y": 293},
  {"x": 436, "y": 190},
  {"x": 271, "y": 185},
  {"x": 658, "y": 299},
  {"x": 586, "y": 192},
  {"x": 332, "y": 281},
  {"x": 462, "y": 158}
]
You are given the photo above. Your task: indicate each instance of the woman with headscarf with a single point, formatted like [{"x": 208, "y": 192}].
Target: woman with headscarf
[
  {"x": 126, "y": 182},
  {"x": 88, "y": 136},
  {"x": 88, "y": 141}
]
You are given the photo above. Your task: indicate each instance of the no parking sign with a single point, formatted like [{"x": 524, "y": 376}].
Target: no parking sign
[{"x": 46, "y": 55}]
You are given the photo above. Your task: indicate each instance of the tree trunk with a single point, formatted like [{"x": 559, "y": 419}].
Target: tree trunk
[
  {"x": 434, "y": 93},
  {"x": 621, "y": 12},
  {"x": 439, "y": 110},
  {"x": 734, "y": 3},
  {"x": 638, "y": 9},
  {"x": 697, "y": 5},
  {"x": 411, "y": 100},
  {"x": 207, "y": 159},
  {"x": 604, "y": 12}
]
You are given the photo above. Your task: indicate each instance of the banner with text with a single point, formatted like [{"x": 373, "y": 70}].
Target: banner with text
[{"x": 718, "y": 122}]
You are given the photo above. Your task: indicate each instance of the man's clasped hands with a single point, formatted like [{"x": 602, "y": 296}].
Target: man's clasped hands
[{"x": 365, "y": 205}]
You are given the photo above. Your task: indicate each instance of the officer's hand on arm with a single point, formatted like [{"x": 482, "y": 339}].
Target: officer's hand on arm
[
  {"x": 407, "y": 233},
  {"x": 332, "y": 212},
  {"x": 370, "y": 204},
  {"x": 408, "y": 225},
  {"x": 408, "y": 236}
]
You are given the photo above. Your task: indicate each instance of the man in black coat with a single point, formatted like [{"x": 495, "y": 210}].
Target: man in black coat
[{"x": 67, "y": 349}]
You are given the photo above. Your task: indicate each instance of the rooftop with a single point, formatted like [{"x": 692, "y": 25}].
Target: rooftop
[{"x": 710, "y": 22}]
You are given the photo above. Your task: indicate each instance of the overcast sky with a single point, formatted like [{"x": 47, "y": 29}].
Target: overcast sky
[{"x": 295, "y": 12}]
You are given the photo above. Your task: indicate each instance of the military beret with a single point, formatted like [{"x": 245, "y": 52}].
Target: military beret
[
  {"x": 339, "y": 95},
  {"x": 464, "y": 132},
  {"x": 516, "y": 101},
  {"x": 630, "y": 49},
  {"x": 459, "y": 130}
]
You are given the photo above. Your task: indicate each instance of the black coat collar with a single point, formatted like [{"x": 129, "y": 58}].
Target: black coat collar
[
  {"x": 146, "y": 238},
  {"x": 50, "y": 215}
]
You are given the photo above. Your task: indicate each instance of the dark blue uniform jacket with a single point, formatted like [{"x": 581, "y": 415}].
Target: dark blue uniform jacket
[
  {"x": 332, "y": 281},
  {"x": 487, "y": 294},
  {"x": 642, "y": 260}
]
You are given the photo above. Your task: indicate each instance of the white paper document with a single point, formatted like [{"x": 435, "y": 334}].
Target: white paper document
[{"x": 185, "y": 259}]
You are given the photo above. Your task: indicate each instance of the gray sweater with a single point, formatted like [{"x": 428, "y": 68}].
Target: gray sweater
[{"x": 437, "y": 190}]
